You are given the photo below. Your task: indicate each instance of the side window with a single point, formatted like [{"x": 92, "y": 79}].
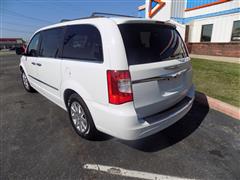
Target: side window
[
  {"x": 33, "y": 46},
  {"x": 206, "y": 35},
  {"x": 51, "y": 42},
  {"x": 236, "y": 31},
  {"x": 83, "y": 42}
]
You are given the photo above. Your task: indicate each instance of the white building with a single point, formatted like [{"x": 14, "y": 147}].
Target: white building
[{"x": 210, "y": 27}]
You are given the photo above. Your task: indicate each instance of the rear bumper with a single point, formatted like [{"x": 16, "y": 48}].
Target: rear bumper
[{"x": 122, "y": 122}]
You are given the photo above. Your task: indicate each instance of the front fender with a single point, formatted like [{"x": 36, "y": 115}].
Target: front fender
[{"x": 21, "y": 65}]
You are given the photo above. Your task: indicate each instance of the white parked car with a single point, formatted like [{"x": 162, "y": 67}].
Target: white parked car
[{"x": 126, "y": 77}]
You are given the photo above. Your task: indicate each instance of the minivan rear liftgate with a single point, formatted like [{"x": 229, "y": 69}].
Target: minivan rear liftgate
[{"x": 159, "y": 66}]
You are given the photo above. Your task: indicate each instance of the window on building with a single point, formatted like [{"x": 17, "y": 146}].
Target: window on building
[
  {"x": 33, "y": 46},
  {"x": 83, "y": 42},
  {"x": 206, "y": 34},
  {"x": 51, "y": 42},
  {"x": 236, "y": 31}
]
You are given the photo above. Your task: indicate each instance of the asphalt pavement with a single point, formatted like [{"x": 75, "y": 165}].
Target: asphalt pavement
[{"x": 38, "y": 142}]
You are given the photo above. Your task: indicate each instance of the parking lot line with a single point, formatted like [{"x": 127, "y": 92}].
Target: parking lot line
[{"x": 129, "y": 173}]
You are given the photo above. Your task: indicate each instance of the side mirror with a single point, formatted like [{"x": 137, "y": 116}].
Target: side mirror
[{"x": 20, "y": 51}]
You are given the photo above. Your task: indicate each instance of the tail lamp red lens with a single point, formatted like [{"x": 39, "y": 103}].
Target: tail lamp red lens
[{"x": 119, "y": 87}]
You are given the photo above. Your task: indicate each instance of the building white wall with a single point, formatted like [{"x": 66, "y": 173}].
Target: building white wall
[
  {"x": 222, "y": 28},
  {"x": 178, "y": 8}
]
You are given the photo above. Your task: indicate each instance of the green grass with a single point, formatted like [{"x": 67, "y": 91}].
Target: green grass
[{"x": 219, "y": 80}]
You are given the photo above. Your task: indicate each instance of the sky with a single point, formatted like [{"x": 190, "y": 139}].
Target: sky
[{"x": 21, "y": 18}]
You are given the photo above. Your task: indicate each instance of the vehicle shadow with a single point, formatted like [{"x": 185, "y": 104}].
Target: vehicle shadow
[{"x": 175, "y": 133}]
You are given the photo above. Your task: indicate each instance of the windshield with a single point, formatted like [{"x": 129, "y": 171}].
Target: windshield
[{"x": 148, "y": 43}]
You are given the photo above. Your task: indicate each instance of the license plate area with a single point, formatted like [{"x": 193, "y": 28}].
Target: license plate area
[{"x": 170, "y": 84}]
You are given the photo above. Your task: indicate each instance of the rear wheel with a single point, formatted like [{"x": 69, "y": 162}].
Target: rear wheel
[
  {"x": 81, "y": 118},
  {"x": 26, "y": 83}
]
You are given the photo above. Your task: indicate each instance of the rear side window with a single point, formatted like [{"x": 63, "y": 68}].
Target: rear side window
[
  {"x": 83, "y": 42},
  {"x": 51, "y": 42},
  {"x": 148, "y": 43},
  {"x": 33, "y": 46}
]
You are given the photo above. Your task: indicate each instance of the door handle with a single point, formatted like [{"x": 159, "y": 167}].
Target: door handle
[
  {"x": 39, "y": 64},
  {"x": 33, "y": 63}
]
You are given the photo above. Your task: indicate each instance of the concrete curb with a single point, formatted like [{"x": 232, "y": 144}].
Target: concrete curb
[
  {"x": 217, "y": 105},
  {"x": 217, "y": 58}
]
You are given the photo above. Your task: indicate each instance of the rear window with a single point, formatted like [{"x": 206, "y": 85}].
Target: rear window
[{"x": 148, "y": 43}]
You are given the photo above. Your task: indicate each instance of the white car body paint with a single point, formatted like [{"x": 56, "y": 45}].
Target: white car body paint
[{"x": 132, "y": 120}]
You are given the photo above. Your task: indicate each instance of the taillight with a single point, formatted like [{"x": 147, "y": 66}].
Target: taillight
[{"x": 119, "y": 87}]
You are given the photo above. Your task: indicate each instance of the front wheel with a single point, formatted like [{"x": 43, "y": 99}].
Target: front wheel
[
  {"x": 26, "y": 83},
  {"x": 81, "y": 118}
]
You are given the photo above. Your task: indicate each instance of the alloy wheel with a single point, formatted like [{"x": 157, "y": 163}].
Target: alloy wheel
[
  {"x": 25, "y": 81},
  {"x": 78, "y": 117}
]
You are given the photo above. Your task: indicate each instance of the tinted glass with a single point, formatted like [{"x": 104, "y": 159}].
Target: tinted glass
[
  {"x": 147, "y": 43},
  {"x": 33, "y": 46},
  {"x": 236, "y": 31},
  {"x": 83, "y": 42},
  {"x": 206, "y": 33},
  {"x": 51, "y": 42}
]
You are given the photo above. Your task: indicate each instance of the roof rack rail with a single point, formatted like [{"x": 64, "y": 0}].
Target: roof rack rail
[
  {"x": 89, "y": 17},
  {"x": 65, "y": 20},
  {"x": 97, "y": 14}
]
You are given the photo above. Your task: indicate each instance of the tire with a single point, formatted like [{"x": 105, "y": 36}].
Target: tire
[
  {"x": 81, "y": 118},
  {"x": 26, "y": 83}
]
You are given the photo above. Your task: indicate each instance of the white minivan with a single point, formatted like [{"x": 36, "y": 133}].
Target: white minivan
[{"x": 123, "y": 76}]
